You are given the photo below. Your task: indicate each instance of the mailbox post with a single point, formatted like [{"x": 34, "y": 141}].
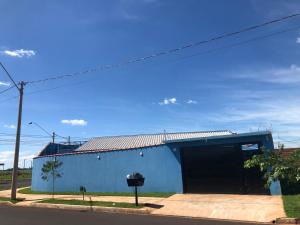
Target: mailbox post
[{"x": 135, "y": 180}]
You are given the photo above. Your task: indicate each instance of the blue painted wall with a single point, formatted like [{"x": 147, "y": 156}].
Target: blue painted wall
[{"x": 160, "y": 166}]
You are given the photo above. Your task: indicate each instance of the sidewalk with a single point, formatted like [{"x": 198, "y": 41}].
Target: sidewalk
[
  {"x": 31, "y": 198},
  {"x": 254, "y": 208}
]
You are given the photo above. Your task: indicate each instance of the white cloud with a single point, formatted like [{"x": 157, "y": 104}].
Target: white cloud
[
  {"x": 131, "y": 9},
  {"x": 75, "y": 122},
  {"x": 192, "y": 102},
  {"x": 26, "y": 157},
  {"x": 2, "y": 83},
  {"x": 168, "y": 101},
  {"x": 131, "y": 3},
  {"x": 149, "y": 1},
  {"x": 20, "y": 53},
  {"x": 172, "y": 100},
  {"x": 280, "y": 116},
  {"x": 298, "y": 40},
  {"x": 278, "y": 112},
  {"x": 8, "y": 156},
  {"x": 10, "y": 126},
  {"x": 288, "y": 75}
]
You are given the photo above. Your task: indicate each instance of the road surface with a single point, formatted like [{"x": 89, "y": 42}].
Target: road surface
[
  {"x": 16, "y": 215},
  {"x": 4, "y": 185}
]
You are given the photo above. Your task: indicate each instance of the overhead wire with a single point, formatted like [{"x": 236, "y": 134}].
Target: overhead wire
[
  {"x": 9, "y": 76},
  {"x": 163, "y": 53},
  {"x": 8, "y": 137},
  {"x": 31, "y": 135},
  {"x": 241, "y": 43},
  {"x": 167, "y": 52},
  {"x": 283, "y": 139},
  {"x": 257, "y": 38},
  {"x": 5, "y": 90},
  {"x": 8, "y": 99}
]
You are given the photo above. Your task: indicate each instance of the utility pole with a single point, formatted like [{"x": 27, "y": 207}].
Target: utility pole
[
  {"x": 53, "y": 137},
  {"x": 17, "y": 148}
]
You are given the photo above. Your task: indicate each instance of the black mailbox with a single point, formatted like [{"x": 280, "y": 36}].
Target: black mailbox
[{"x": 135, "y": 180}]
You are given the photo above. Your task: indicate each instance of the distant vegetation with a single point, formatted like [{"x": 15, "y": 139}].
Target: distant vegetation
[{"x": 23, "y": 174}]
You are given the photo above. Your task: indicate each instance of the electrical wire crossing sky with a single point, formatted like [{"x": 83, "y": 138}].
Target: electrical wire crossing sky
[{"x": 132, "y": 67}]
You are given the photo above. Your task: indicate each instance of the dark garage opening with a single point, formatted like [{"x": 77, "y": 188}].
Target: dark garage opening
[{"x": 219, "y": 169}]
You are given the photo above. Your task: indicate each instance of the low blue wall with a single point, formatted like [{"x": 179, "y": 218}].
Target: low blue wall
[{"x": 160, "y": 166}]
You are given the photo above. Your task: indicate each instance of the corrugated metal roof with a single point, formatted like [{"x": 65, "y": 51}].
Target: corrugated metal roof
[{"x": 143, "y": 140}]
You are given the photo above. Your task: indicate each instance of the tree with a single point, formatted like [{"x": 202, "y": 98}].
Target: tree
[
  {"x": 275, "y": 166},
  {"x": 50, "y": 170}
]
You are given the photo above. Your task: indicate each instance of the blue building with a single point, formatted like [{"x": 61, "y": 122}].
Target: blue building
[{"x": 189, "y": 162}]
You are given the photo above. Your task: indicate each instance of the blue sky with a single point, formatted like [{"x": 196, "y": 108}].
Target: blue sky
[{"x": 250, "y": 87}]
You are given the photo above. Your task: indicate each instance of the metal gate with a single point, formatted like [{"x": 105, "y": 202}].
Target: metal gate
[{"x": 217, "y": 169}]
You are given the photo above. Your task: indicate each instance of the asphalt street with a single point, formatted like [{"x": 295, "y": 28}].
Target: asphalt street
[
  {"x": 16, "y": 215},
  {"x": 21, "y": 183}
]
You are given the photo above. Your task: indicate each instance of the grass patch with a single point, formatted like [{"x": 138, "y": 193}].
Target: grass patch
[
  {"x": 292, "y": 205},
  {"x": 6, "y": 199},
  {"x": 152, "y": 194},
  {"x": 91, "y": 203}
]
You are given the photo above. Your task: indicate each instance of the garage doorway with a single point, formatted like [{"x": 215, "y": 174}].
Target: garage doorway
[{"x": 217, "y": 169}]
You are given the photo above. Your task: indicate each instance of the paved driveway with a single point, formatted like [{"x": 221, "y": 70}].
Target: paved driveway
[{"x": 259, "y": 208}]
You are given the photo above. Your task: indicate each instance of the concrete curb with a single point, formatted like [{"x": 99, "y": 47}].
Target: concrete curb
[
  {"x": 88, "y": 208},
  {"x": 287, "y": 220},
  {"x": 6, "y": 203}
]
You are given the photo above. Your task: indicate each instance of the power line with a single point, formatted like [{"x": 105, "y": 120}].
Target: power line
[
  {"x": 240, "y": 43},
  {"x": 176, "y": 60},
  {"x": 182, "y": 58},
  {"x": 8, "y": 99},
  {"x": 24, "y": 135},
  {"x": 9, "y": 76},
  {"x": 185, "y": 57},
  {"x": 283, "y": 139},
  {"x": 7, "y": 89},
  {"x": 39, "y": 136},
  {"x": 44, "y": 90},
  {"x": 170, "y": 51}
]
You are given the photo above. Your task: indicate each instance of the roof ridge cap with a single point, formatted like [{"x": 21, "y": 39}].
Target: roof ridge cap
[{"x": 161, "y": 133}]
